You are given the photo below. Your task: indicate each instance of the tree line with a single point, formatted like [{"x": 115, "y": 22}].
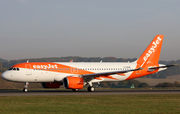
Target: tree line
[{"x": 136, "y": 84}]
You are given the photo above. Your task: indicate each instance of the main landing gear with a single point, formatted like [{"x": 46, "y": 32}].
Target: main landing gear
[
  {"x": 25, "y": 87},
  {"x": 75, "y": 90},
  {"x": 91, "y": 89}
]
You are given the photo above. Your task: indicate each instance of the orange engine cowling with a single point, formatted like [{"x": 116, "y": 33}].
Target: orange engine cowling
[
  {"x": 51, "y": 85},
  {"x": 73, "y": 82}
]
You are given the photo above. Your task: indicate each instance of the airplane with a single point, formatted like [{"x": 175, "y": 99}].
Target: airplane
[{"x": 76, "y": 75}]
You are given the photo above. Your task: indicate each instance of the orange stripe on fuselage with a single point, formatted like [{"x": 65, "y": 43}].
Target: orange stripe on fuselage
[
  {"x": 108, "y": 77},
  {"x": 53, "y": 67}
]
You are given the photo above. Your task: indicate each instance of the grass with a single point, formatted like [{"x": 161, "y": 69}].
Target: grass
[{"x": 105, "y": 104}]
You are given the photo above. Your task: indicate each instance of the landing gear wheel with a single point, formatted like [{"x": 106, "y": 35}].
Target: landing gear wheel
[
  {"x": 91, "y": 89},
  {"x": 25, "y": 90},
  {"x": 75, "y": 90},
  {"x": 25, "y": 87}
]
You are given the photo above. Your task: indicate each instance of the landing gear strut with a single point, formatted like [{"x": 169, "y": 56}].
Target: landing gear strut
[{"x": 25, "y": 87}]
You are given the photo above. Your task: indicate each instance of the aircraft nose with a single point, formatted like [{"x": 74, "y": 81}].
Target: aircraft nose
[
  {"x": 9, "y": 76},
  {"x": 4, "y": 75}
]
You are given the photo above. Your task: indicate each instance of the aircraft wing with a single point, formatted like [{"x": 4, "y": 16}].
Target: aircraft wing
[{"x": 90, "y": 76}]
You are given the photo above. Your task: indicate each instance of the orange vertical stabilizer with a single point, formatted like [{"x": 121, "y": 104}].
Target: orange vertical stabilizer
[{"x": 152, "y": 53}]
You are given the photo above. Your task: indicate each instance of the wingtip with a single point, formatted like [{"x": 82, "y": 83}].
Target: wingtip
[{"x": 176, "y": 64}]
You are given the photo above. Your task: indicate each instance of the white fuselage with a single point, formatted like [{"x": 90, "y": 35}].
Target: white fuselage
[{"x": 45, "y": 74}]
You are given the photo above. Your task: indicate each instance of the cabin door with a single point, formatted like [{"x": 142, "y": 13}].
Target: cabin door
[{"x": 28, "y": 69}]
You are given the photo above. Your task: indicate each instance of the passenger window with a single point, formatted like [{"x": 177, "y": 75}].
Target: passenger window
[{"x": 17, "y": 69}]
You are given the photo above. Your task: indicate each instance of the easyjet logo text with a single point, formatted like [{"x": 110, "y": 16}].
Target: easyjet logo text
[
  {"x": 45, "y": 66},
  {"x": 152, "y": 49}
]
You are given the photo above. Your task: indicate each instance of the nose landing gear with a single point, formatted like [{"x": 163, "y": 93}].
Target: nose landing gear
[{"x": 25, "y": 87}]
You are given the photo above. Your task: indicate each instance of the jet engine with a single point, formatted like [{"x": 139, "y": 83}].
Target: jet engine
[
  {"x": 73, "y": 82},
  {"x": 51, "y": 84}
]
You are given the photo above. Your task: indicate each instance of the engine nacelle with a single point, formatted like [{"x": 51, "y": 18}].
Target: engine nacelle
[
  {"x": 73, "y": 82},
  {"x": 51, "y": 84}
]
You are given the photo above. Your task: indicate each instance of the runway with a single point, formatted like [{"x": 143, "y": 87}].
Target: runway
[{"x": 84, "y": 92}]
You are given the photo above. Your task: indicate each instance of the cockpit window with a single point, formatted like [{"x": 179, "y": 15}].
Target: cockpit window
[
  {"x": 15, "y": 69},
  {"x": 10, "y": 68}
]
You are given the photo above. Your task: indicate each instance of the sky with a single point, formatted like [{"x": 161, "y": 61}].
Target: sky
[{"x": 87, "y": 28}]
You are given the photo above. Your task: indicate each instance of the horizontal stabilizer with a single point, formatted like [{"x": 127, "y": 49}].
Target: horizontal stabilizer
[{"x": 166, "y": 66}]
